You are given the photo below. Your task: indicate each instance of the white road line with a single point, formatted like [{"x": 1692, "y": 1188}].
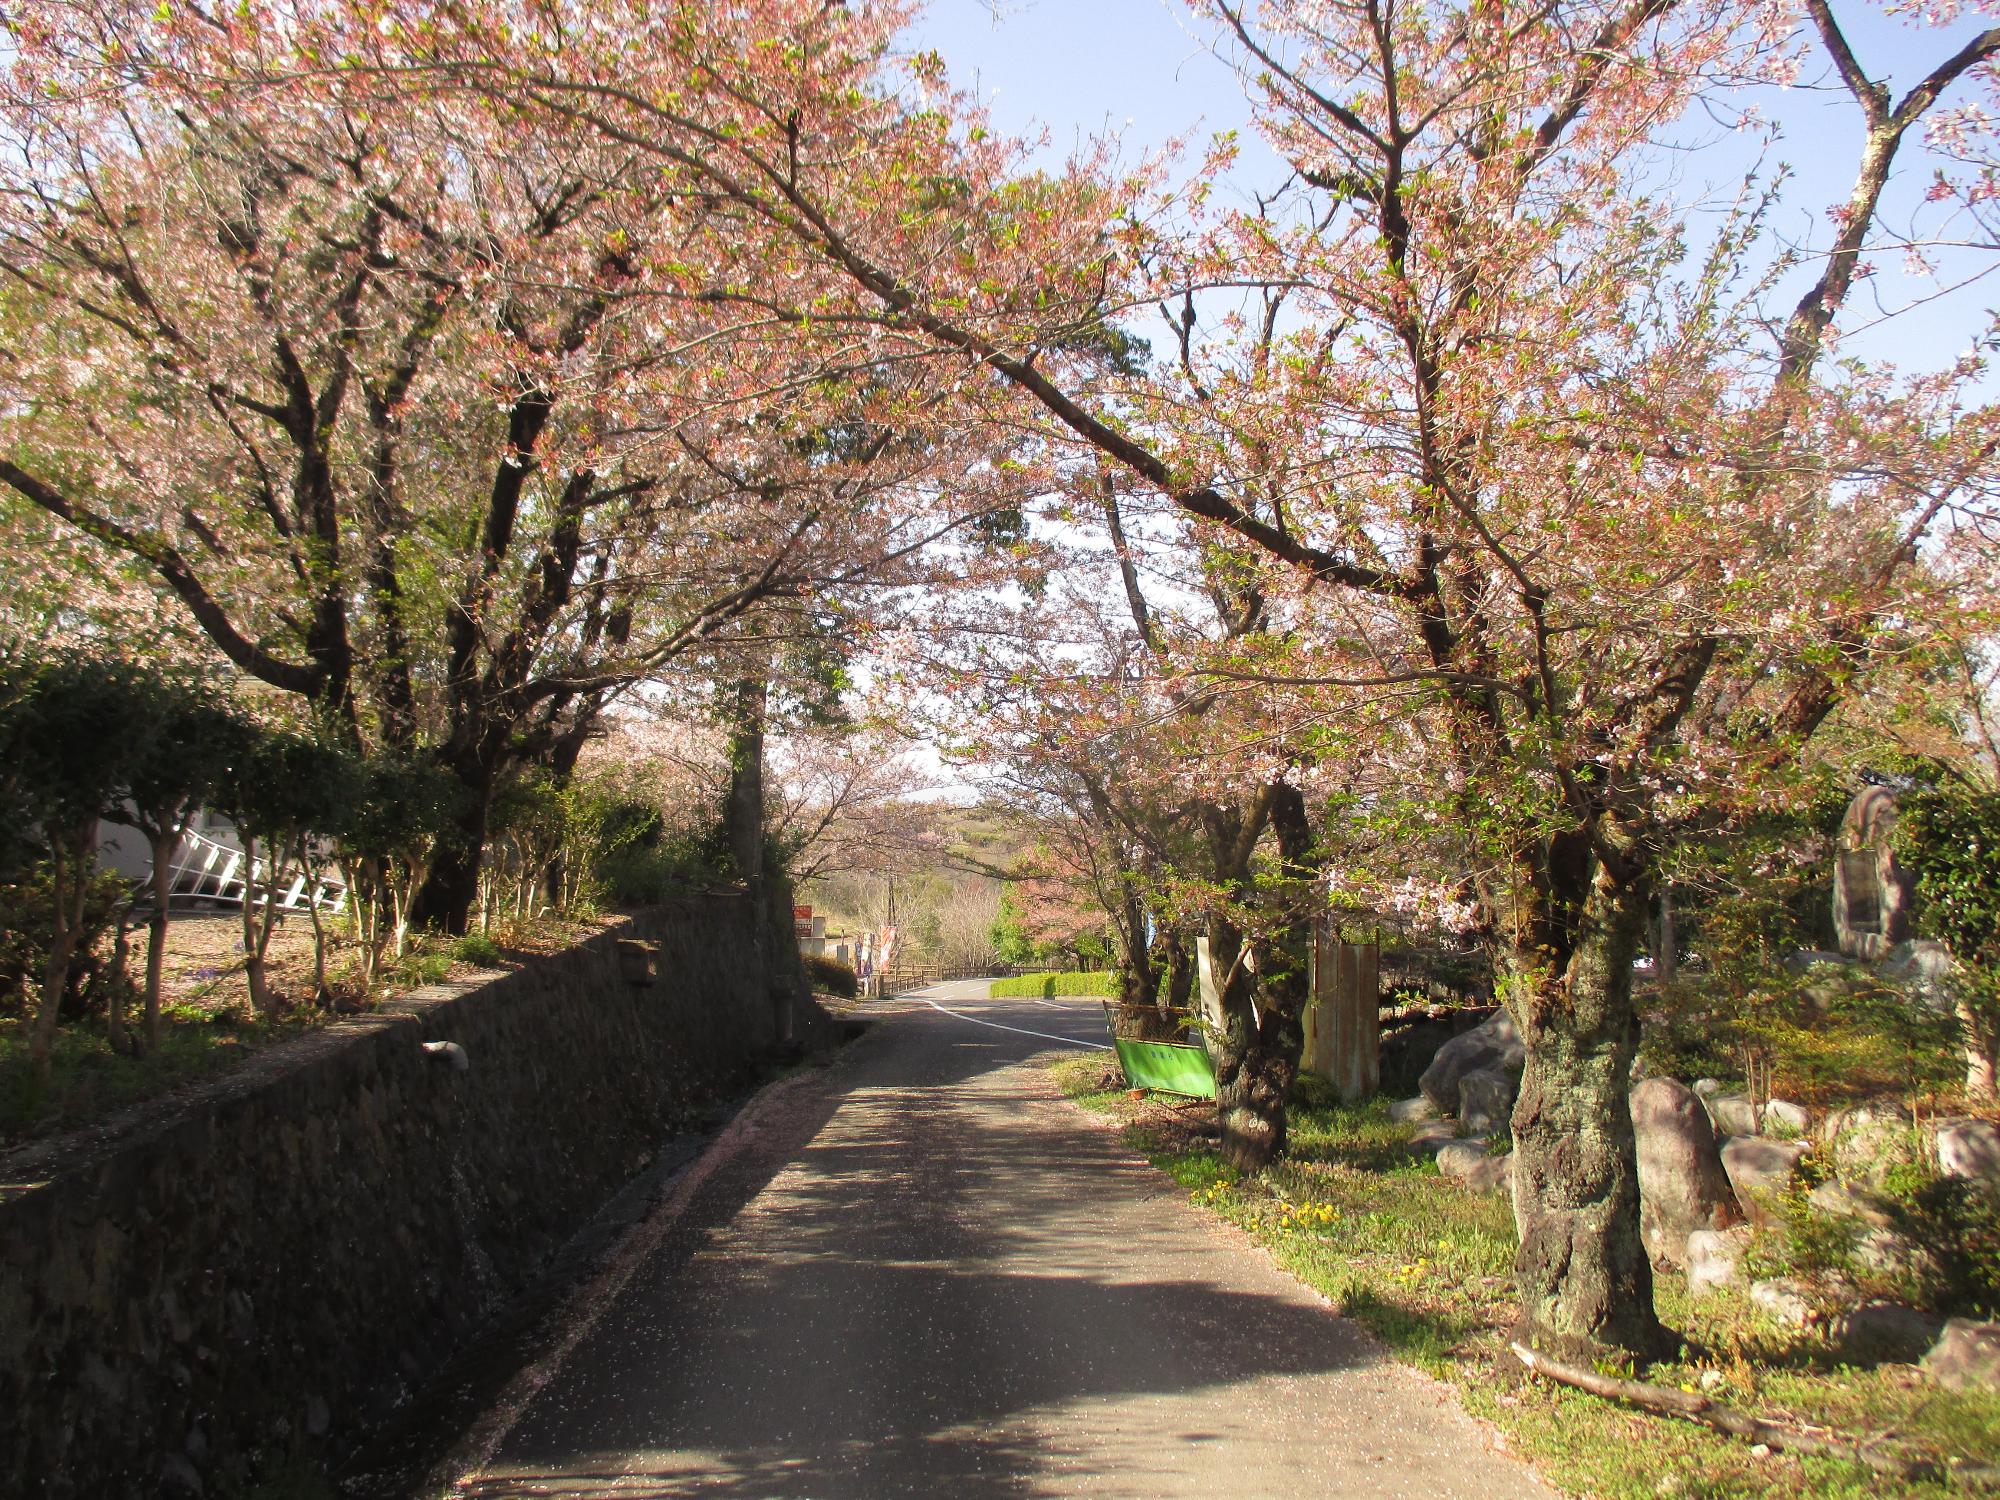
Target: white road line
[{"x": 1018, "y": 1030}]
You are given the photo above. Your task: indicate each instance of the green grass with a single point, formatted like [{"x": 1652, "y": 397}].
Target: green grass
[
  {"x": 1428, "y": 1268},
  {"x": 87, "y": 1080},
  {"x": 1048, "y": 986},
  {"x": 479, "y": 949}
]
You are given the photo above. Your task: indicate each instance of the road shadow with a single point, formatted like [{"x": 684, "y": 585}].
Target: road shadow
[{"x": 924, "y": 1299}]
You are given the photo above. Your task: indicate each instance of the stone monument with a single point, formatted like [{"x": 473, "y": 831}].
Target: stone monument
[{"x": 1871, "y": 892}]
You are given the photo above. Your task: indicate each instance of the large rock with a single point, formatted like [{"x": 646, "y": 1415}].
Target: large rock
[
  {"x": 1458, "y": 1159},
  {"x": 1430, "y": 1136},
  {"x": 1895, "y": 1254},
  {"x": 1733, "y": 1114},
  {"x": 1969, "y": 1148},
  {"x": 1495, "y": 1044},
  {"x": 1828, "y": 978},
  {"x": 1494, "y": 1174},
  {"x": 1966, "y": 1356},
  {"x": 1759, "y": 1172},
  {"x": 1714, "y": 1258},
  {"x": 1923, "y": 971},
  {"x": 1783, "y": 1300},
  {"x": 1413, "y": 1111},
  {"x": 1784, "y": 1119},
  {"x": 1869, "y": 1139},
  {"x": 1486, "y": 1100},
  {"x": 1887, "y": 1333},
  {"x": 1847, "y": 1200},
  {"x": 1682, "y": 1184},
  {"x": 1410, "y": 1047}
]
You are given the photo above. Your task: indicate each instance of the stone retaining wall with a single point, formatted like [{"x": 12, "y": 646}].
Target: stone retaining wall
[{"x": 214, "y": 1287}]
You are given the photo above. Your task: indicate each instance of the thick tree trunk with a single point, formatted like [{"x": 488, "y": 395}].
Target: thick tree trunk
[
  {"x": 1179, "y": 992},
  {"x": 1585, "y": 1283},
  {"x": 743, "y": 812},
  {"x": 1254, "y": 1001},
  {"x": 1138, "y": 980},
  {"x": 1251, "y": 1080},
  {"x": 451, "y": 886}
]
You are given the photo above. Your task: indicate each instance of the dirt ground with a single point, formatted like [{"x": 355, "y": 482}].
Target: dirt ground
[
  {"x": 205, "y": 958},
  {"x": 205, "y": 961}
]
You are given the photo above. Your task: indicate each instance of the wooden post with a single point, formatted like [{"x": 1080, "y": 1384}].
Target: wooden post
[
  {"x": 1208, "y": 990},
  {"x": 1343, "y": 1029}
]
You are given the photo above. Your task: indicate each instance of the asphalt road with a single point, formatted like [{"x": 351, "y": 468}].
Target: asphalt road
[{"x": 920, "y": 1272}]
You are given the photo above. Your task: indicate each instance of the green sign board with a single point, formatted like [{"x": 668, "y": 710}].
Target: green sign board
[{"x": 1170, "y": 1067}]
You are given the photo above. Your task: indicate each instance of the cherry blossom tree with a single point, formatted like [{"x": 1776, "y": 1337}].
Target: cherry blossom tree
[
  {"x": 1511, "y": 443},
  {"x": 412, "y": 416}
]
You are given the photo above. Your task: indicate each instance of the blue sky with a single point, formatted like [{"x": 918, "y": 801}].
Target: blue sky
[{"x": 1140, "y": 68}]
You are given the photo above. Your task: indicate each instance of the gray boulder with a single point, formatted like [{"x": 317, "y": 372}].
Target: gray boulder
[
  {"x": 1846, "y": 1200},
  {"x": 1458, "y": 1159},
  {"x": 1493, "y": 1044},
  {"x": 1495, "y": 1174},
  {"x": 1783, "y": 1300},
  {"x": 1969, "y": 1148},
  {"x": 1887, "y": 1333},
  {"x": 1682, "y": 1184},
  {"x": 1784, "y": 1119},
  {"x": 1829, "y": 977},
  {"x": 1893, "y": 1253},
  {"x": 1759, "y": 1172},
  {"x": 1707, "y": 1086},
  {"x": 1486, "y": 1099},
  {"x": 1923, "y": 971},
  {"x": 1428, "y": 1137},
  {"x": 1923, "y": 961},
  {"x": 1714, "y": 1258},
  {"x": 1469, "y": 1163},
  {"x": 1412, "y": 1111},
  {"x": 1733, "y": 1114},
  {"x": 1807, "y": 959},
  {"x": 1869, "y": 1139},
  {"x": 1966, "y": 1356}
]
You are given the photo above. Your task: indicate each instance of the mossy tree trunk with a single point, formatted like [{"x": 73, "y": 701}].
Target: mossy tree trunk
[{"x": 1585, "y": 1283}]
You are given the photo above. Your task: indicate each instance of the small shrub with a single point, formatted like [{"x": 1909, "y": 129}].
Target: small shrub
[
  {"x": 421, "y": 967},
  {"x": 1958, "y": 1221},
  {"x": 477, "y": 948},
  {"x": 831, "y": 975},
  {"x": 1804, "y": 1241}
]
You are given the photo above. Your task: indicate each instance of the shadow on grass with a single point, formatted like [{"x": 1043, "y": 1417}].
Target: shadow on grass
[
  {"x": 87, "y": 1079},
  {"x": 1426, "y": 1336}
]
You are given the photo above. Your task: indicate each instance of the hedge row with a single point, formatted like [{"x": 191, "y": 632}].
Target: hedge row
[{"x": 1046, "y": 986}]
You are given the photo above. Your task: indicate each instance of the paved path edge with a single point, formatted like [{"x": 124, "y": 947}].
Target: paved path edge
[
  {"x": 1241, "y": 1240},
  {"x": 577, "y": 1313}
]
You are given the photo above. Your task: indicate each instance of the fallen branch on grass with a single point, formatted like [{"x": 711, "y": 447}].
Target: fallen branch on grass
[{"x": 1772, "y": 1435}]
